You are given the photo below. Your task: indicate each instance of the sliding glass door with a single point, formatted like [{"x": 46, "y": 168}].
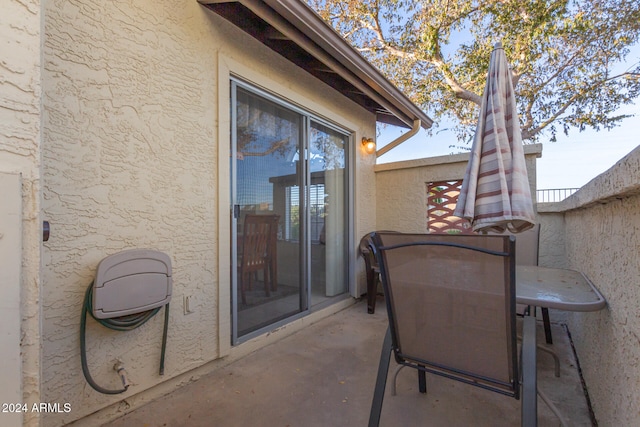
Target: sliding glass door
[{"x": 289, "y": 209}]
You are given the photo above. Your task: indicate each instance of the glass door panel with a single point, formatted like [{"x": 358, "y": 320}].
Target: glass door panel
[
  {"x": 268, "y": 283},
  {"x": 328, "y": 209}
]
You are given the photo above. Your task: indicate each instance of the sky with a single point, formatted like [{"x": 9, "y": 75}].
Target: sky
[{"x": 570, "y": 162}]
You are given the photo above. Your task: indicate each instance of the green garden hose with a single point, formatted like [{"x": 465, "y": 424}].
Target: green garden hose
[{"x": 123, "y": 323}]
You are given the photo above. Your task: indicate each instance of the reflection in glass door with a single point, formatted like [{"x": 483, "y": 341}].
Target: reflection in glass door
[
  {"x": 327, "y": 209},
  {"x": 266, "y": 141},
  {"x": 289, "y": 211}
]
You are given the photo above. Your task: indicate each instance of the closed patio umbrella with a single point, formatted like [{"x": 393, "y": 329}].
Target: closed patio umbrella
[{"x": 495, "y": 194}]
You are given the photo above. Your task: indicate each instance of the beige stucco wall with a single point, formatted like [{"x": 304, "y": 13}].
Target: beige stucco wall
[
  {"x": 551, "y": 250},
  {"x": 402, "y": 187},
  {"x": 20, "y": 133},
  {"x": 135, "y": 154},
  {"x": 602, "y": 238}
]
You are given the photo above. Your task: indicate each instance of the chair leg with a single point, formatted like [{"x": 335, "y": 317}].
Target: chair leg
[
  {"x": 529, "y": 373},
  {"x": 556, "y": 359},
  {"x": 267, "y": 284},
  {"x": 381, "y": 381},
  {"x": 371, "y": 291},
  {"x": 273, "y": 273},
  {"x": 547, "y": 325},
  {"x": 553, "y": 408},
  {"x": 395, "y": 379},
  {"x": 422, "y": 380}
]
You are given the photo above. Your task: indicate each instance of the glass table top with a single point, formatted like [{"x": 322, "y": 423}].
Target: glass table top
[{"x": 557, "y": 288}]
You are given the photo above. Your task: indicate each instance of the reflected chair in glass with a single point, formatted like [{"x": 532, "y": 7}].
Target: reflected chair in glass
[
  {"x": 451, "y": 307},
  {"x": 258, "y": 253}
]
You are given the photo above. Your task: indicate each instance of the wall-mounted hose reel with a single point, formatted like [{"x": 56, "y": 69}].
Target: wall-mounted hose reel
[{"x": 130, "y": 288}]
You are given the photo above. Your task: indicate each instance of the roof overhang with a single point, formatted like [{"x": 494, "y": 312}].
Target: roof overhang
[{"x": 295, "y": 31}]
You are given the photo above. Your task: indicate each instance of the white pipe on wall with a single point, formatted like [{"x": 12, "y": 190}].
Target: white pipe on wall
[{"x": 402, "y": 138}]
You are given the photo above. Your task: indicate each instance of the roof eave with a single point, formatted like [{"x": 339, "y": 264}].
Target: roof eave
[{"x": 300, "y": 24}]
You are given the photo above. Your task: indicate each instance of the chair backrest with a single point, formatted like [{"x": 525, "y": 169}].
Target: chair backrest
[
  {"x": 258, "y": 235},
  {"x": 451, "y": 305},
  {"x": 526, "y": 243},
  {"x": 366, "y": 246},
  {"x": 365, "y": 250}
]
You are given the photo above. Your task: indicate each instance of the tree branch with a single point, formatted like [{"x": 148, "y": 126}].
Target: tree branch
[
  {"x": 438, "y": 62},
  {"x": 528, "y": 134},
  {"x": 458, "y": 89},
  {"x": 274, "y": 146}
]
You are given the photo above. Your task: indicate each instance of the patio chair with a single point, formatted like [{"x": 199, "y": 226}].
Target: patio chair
[
  {"x": 372, "y": 270},
  {"x": 258, "y": 253},
  {"x": 451, "y": 307}
]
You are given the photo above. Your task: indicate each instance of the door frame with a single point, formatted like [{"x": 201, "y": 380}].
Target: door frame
[{"x": 305, "y": 253}]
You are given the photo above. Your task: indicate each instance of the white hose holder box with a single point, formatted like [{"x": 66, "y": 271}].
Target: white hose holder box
[{"x": 131, "y": 282}]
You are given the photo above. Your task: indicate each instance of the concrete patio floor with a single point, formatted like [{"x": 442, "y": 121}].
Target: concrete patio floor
[{"x": 324, "y": 376}]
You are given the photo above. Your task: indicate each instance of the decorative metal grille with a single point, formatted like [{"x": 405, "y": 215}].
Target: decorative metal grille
[{"x": 442, "y": 199}]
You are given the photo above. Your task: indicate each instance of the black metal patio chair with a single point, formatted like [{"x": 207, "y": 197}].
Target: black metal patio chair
[
  {"x": 451, "y": 307},
  {"x": 372, "y": 270}
]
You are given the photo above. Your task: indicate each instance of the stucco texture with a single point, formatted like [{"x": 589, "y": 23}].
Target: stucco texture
[
  {"x": 601, "y": 239},
  {"x": 129, "y": 162},
  {"x": 135, "y": 155},
  {"x": 603, "y": 242},
  {"x": 20, "y": 136}
]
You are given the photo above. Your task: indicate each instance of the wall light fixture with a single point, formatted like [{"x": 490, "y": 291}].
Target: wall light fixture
[{"x": 369, "y": 145}]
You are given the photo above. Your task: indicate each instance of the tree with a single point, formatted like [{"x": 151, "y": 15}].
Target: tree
[{"x": 566, "y": 56}]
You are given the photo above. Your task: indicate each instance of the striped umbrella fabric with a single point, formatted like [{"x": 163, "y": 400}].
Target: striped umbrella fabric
[{"x": 495, "y": 194}]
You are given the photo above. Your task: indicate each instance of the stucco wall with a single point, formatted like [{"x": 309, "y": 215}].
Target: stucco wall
[
  {"x": 402, "y": 187},
  {"x": 602, "y": 239},
  {"x": 551, "y": 250},
  {"x": 20, "y": 89},
  {"x": 135, "y": 154}
]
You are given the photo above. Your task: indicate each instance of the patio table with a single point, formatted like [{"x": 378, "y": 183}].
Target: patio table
[
  {"x": 560, "y": 289},
  {"x": 556, "y": 288}
]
